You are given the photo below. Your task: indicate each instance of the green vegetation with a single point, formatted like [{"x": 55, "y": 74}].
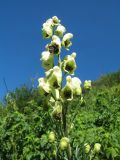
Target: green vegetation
[{"x": 25, "y": 124}]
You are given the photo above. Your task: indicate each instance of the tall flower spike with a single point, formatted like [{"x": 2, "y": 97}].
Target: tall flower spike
[
  {"x": 44, "y": 88},
  {"x": 67, "y": 91},
  {"x": 55, "y": 46},
  {"x": 69, "y": 64},
  {"x": 55, "y": 77},
  {"x": 47, "y": 60},
  {"x": 66, "y": 40},
  {"x": 60, "y": 30}
]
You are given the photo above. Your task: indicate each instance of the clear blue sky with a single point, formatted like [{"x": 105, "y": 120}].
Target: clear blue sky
[{"x": 94, "y": 23}]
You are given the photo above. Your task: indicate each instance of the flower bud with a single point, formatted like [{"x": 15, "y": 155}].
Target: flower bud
[
  {"x": 55, "y": 19},
  {"x": 97, "y": 147},
  {"x": 51, "y": 137},
  {"x": 47, "y": 60},
  {"x": 69, "y": 64},
  {"x": 87, "y": 84},
  {"x": 66, "y": 40},
  {"x": 60, "y": 30},
  {"x": 64, "y": 142},
  {"x": 87, "y": 148}
]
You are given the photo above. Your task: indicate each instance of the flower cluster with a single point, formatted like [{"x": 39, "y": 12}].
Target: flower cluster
[{"x": 52, "y": 82}]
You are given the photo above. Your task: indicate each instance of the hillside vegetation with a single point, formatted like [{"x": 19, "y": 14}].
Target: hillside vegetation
[{"x": 25, "y": 122}]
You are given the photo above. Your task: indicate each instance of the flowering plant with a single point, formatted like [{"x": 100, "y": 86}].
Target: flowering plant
[{"x": 51, "y": 86}]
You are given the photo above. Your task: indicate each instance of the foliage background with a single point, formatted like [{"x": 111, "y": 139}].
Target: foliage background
[{"x": 25, "y": 122}]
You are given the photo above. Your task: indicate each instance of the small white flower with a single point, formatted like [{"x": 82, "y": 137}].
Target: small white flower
[
  {"x": 55, "y": 46},
  {"x": 56, "y": 40},
  {"x": 69, "y": 64},
  {"x": 44, "y": 87},
  {"x": 49, "y": 22},
  {"x": 60, "y": 30},
  {"x": 76, "y": 85},
  {"x": 66, "y": 40},
  {"x": 47, "y": 60},
  {"x": 47, "y": 31}
]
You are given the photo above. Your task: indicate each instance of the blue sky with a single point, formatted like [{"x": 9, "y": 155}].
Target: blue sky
[{"x": 94, "y": 23}]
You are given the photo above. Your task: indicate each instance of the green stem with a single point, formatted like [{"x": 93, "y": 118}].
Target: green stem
[
  {"x": 65, "y": 130},
  {"x": 64, "y": 117}
]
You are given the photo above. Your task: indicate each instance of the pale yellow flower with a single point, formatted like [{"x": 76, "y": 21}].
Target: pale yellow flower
[
  {"x": 60, "y": 30},
  {"x": 87, "y": 84},
  {"x": 44, "y": 87},
  {"x": 66, "y": 40},
  {"x": 47, "y": 60},
  {"x": 56, "y": 20},
  {"x": 69, "y": 64},
  {"x": 55, "y": 77}
]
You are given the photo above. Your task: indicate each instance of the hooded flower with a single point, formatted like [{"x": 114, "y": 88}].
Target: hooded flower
[
  {"x": 60, "y": 30},
  {"x": 44, "y": 87},
  {"x": 55, "y": 19},
  {"x": 66, "y": 40},
  {"x": 47, "y": 31},
  {"x": 64, "y": 142},
  {"x": 55, "y": 46},
  {"x": 47, "y": 60},
  {"x": 76, "y": 86},
  {"x": 67, "y": 91},
  {"x": 54, "y": 77},
  {"x": 49, "y": 22},
  {"x": 69, "y": 64},
  {"x": 87, "y": 84}
]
